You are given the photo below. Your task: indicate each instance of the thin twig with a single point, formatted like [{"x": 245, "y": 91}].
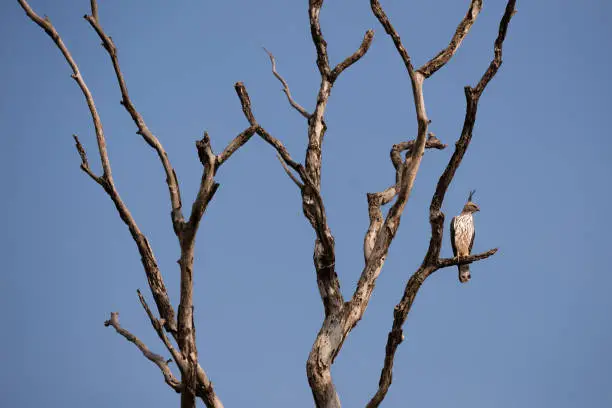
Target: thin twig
[
  {"x": 155, "y": 358},
  {"x": 292, "y": 102},
  {"x": 289, "y": 173},
  {"x": 159, "y": 329},
  {"x": 85, "y": 163}
]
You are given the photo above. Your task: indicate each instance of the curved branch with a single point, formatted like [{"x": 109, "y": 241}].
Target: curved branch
[
  {"x": 234, "y": 145},
  {"x": 289, "y": 173},
  {"x": 292, "y": 102},
  {"x": 437, "y": 62},
  {"x": 497, "y": 48},
  {"x": 356, "y": 56}
]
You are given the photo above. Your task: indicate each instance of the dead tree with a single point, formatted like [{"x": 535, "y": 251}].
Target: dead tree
[{"x": 340, "y": 315}]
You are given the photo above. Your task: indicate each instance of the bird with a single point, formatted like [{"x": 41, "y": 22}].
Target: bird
[{"x": 462, "y": 235}]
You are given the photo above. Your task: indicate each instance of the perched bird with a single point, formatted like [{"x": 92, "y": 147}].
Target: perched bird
[{"x": 462, "y": 236}]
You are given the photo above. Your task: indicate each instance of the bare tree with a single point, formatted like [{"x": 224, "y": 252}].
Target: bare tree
[{"x": 341, "y": 315}]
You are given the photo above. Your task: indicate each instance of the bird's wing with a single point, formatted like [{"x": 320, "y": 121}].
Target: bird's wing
[
  {"x": 472, "y": 242},
  {"x": 452, "y": 232}
]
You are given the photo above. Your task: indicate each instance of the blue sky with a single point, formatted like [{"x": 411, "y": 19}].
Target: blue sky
[{"x": 531, "y": 329}]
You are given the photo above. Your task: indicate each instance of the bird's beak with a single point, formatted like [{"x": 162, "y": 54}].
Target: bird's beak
[{"x": 477, "y": 208}]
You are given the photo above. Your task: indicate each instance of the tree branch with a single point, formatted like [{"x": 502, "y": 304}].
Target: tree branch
[
  {"x": 158, "y": 325},
  {"x": 245, "y": 101},
  {"x": 446, "y": 262},
  {"x": 343, "y": 317},
  {"x": 379, "y": 237},
  {"x": 437, "y": 62},
  {"x": 155, "y": 358},
  {"x": 377, "y": 200},
  {"x": 207, "y": 189},
  {"x": 384, "y": 21},
  {"x": 154, "y": 276},
  {"x": 356, "y": 56},
  {"x": 292, "y": 102},
  {"x": 143, "y": 130},
  {"x": 314, "y": 210},
  {"x": 289, "y": 173},
  {"x": 431, "y": 261},
  {"x": 432, "y": 143},
  {"x": 85, "y": 163},
  {"x": 499, "y": 41},
  {"x": 314, "y": 9},
  {"x": 204, "y": 389},
  {"x": 94, "y": 10},
  {"x": 235, "y": 144},
  {"x": 282, "y": 151}
]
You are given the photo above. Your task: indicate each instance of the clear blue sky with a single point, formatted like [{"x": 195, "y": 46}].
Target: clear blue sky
[{"x": 531, "y": 329}]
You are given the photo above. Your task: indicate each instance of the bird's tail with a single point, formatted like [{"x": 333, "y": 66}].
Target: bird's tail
[{"x": 464, "y": 273}]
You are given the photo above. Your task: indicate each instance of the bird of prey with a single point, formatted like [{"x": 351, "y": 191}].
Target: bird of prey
[{"x": 462, "y": 236}]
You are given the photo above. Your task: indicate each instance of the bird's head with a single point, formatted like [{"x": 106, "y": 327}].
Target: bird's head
[{"x": 470, "y": 206}]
